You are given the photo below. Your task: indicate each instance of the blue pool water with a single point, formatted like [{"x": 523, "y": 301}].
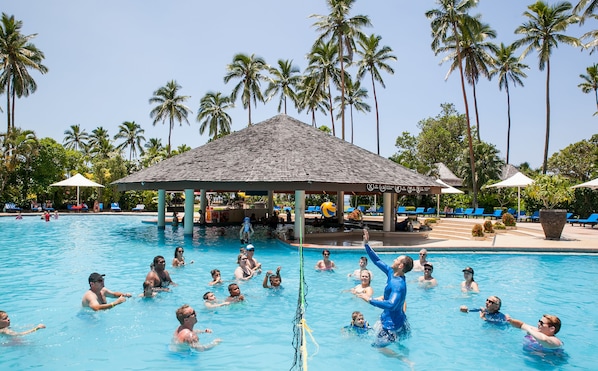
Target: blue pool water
[{"x": 44, "y": 275}]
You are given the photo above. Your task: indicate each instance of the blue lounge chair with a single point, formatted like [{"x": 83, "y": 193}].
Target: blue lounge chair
[
  {"x": 318, "y": 210},
  {"x": 497, "y": 214},
  {"x": 276, "y": 208},
  {"x": 457, "y": 212},
  {"x": 362, "y": 209},
  {"x": 11, "y": 207},
  {"x": 430, "y": 211},
  {"x": 535, "y": 216},
  {"x": 349, "y": 210},
  {"x": 286, "y": 208},
  {"x": 114, "y": 206},
  {"x": 571, "y": 219},
  {"x": 467, "y": 213},
  {"x": 311, "y": 209},
  {"x": 139, "y": 207},
  {"x": 592, "y": 220},
  {"x": 479, "y": 211},
  {"x": 418, "y": 211},
  {"x": 402, "y": 210}
]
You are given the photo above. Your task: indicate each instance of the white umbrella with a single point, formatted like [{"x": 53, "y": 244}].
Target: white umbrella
[
  {"x": 77, "y": 180},
  {"x": 518, "y": 180},
  {"x": 593, "y": 184},
  {"x": 446, "y": 190}
]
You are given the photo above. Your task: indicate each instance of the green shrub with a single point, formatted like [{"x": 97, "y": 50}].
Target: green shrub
[
  {"x": 499, "y": 226},
  {"x": 488, "y": 227},
  {"x": 477, "y": 230},
  {"x": 508, "y": 220}
]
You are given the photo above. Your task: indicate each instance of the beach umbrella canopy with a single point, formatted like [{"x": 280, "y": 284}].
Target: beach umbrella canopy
[
  {"x": 77, "y": 180},
  {"x": 593, "y": 184},
  {"x": 518, "y": 180},
  {"x": 447, "y": 190}
]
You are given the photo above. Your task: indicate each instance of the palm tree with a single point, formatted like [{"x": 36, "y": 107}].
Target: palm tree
[
  {"x": 97, "y": 136},
  {"x": 312, "y": 96},
  {"x": 19, "y": 148},
  {"x": 355, "y": 99},
  {"x": 249, "y": 70},
  {"x": 373, "y": 59},
  {"x": 590, "y": 83},
  {"x": 75, "y": 138},
  {"x": 181, "y": 149},
  {"x": 339, "y": 27},
  {"x": 17, "y": 55},
  {"x": 212, "y": 109},
  {"x": 284, "y": 81},
  {"x": 444, "y": 24},
  {"x": 170, "y": 106},
  {"x": 322, "y": 66},
  {"x": 132, "y": 135},
  {"x": 589, "y": 10},
  {"x": 541, "y": 33},
  {"x": 474, "y": 52},
  {"x": 507, "y": 66},
  {"x": 154, "y": 152}
]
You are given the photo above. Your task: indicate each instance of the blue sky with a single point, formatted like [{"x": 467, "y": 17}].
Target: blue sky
[{"x": 106, "y": 58}]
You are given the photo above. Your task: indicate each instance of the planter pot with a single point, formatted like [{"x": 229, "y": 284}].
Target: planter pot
[
  {"x": 509, "y": 228},
  {"x": 478, "y": 238},
  {"x": 500, "y": 231},
  {"x": 553, "y": 221},
  {"x": 490, "y": 235}
]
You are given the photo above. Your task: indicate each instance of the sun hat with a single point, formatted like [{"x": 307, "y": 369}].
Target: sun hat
[
  {"x": 468, "y": 269},
  {"x": 249, "y": 247},
  {"x": 95, "y": 277}
]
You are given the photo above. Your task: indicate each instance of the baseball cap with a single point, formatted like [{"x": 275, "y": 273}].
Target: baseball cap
[
  {"x": 468, "y": 269},
  {"x": 428, "y": 265},
  {"x": 249, "y": 247},
  {"x": 95, "y": 277}
]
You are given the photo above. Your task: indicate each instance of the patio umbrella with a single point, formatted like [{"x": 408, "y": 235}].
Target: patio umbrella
[
  {"x": 77, "y": 180},
  {"x": 593, "y": 184},
  {"x": 518, "y": 180},
  {"x": 447, "y": 190}
]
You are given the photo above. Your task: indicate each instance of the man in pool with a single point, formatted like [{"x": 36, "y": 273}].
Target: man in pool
[
  {"x": 418, "y": 265},
  {"x": 185, "y": 334},
  {"x": 159, "y": 275},
  {"x": 427, "y": 281},
  {"x": 95, "y": 297},
  {"x": 393, "y": 319},
  {"x": 253, "y": 264},
  {"x": 490, "y": 313}
]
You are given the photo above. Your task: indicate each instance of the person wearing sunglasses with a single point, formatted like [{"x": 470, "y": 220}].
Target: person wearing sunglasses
[
  {"x": 186, "y": 335},
  {"x": 540, "y": 338},
  {"x": 95, "y": 297},
  {"x": 325, "y": 264},
  {"x": 491, "y": 312},
  {"x": 179, "y": 259},
  {"x": 418, "y": 265},
  {"x": 427, "y": 281}
]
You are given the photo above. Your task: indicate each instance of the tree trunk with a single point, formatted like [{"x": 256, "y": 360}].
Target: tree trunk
[
  {"x": 377, "y": 117},
  {"x": 508, "y": 119},
  {"x": 546, "y": 140}
]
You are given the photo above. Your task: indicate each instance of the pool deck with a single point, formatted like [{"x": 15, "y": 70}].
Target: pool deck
[{"x": 528, "y": 237}]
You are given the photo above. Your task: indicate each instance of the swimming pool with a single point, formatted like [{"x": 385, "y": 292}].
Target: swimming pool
[{"x": 46, "y": 265}]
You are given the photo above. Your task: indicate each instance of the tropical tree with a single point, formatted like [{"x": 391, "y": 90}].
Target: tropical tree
[
  {"x": 341, "y": 28},
  {"x": 284, "y": 81},
  {"x": 355, "y": 99},
  {"x": 508, "y": 67},
  {"x": 17, "y": 55},
  {"x": 373, "y": 59},
  {"x": 541, "y": 33},
  {"x": 181, "y": 149},
  {"x": 97, "y": 136},
  {"x": 212, "y": 114},
  {"x": 248, "y": 69},
  {"x": 590, "y": 82},
  {"x": 154, "y": 152},
  {"x": 75, "y": 138},
  {"x": 19, "y": 148},
  {"x": 589, "y": 5},
  {"x": 312, "y": 96},
  {"x": 322, "y": 66},
  {"x": 132, "y": 134},
  {"x": 170, "y": 107},
  {"x": 576, "y": 161},
  {"x": 445, "y": 23},
  {"x": 475, "y": 52}
]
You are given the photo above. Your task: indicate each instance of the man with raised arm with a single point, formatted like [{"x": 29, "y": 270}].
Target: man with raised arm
[{"x": 393, "y": 319}]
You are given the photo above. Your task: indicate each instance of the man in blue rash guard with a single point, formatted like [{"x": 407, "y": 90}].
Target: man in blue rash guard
[{"x": 393, "y": 318}]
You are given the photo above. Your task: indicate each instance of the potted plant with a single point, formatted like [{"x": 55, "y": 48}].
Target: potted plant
[
  {"x": 551, "y": 191},
  {"x": 477, "y": 232},
  {"x": 499, "y": 227}
]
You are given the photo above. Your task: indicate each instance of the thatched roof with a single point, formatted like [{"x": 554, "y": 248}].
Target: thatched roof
[
  {"x": 446, "y": 175},
  {"x": 281, "y": 154}
]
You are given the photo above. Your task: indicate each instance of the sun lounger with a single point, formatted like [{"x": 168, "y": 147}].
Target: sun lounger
[
  {"x": 457, "y": 212},
  {"x": 11, "y": 207},
  {"x": 430, "y": 211},
  {"x": 139, "y": 207},
  {"x": 497, "y": 214},
  {"x": 479, "y": 211},
  {"x": 310, "y": 209},
  {"x": 592, "y": 220},
  {"x": 115, "y": 207},
  {"x": 402, "y": 210},
  {"x": 467, "y": 213}
]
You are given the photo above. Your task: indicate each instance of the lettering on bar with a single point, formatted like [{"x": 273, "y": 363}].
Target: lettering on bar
[{"x": 396, "y": 188}]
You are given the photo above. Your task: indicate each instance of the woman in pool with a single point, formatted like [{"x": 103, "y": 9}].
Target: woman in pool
[
  {"x": 243, "y": 272},
  {"x": 179, "y": 259},
  {"x": 364, "y": 287},
  {"x": 5, "y": 326},
  {"x": 541, "y": 338},
  {"x": 469, "y": 284},
  {"x": 325, "y": 264}
]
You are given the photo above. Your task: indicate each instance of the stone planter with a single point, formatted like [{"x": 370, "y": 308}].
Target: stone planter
[
  {"x": 478, "y": 238},
  {"x": 500, "y": 231},
  {"x": 490, "y": 235},
  {"x": 511, "y": 228},
  {"x": 553, "y": 221}
]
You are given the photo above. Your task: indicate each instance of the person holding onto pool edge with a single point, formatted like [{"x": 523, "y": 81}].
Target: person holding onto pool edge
[
  {"x": 95, "y": 297},
  {"x": 6, "y": 330},
  {"x": 393, "y": 319},
  {"x": 541, "y": 338},
  {"x": 185, "y": 334}
]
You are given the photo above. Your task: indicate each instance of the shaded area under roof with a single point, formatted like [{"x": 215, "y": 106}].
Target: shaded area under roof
[{"x": 280, "y": 154}]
